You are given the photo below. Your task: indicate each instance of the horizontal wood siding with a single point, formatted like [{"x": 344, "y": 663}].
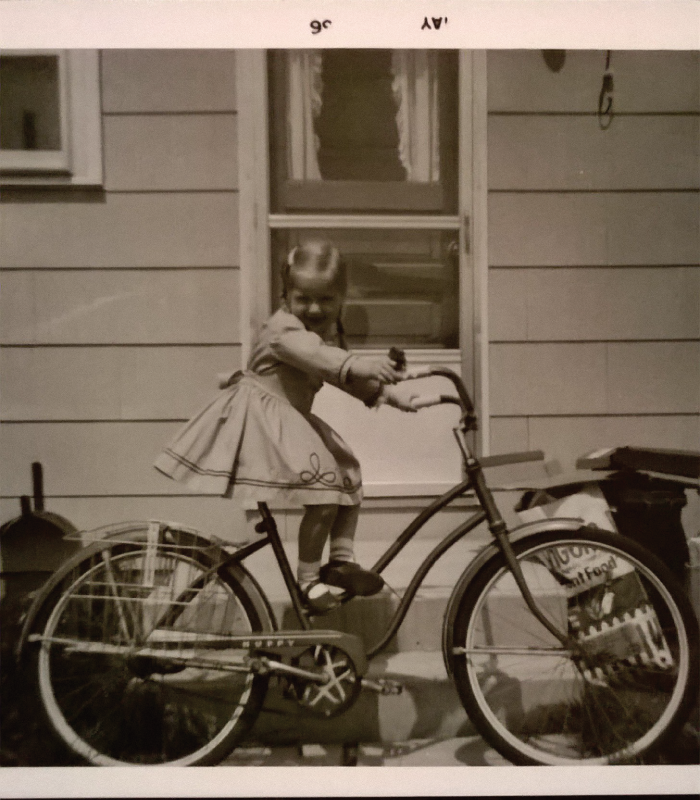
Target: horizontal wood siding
[
  {"x": 594, "y": 304},
  {"x": 644, "y": 82},
  {"x": 119, "y": 306},
  {"x": 186, "y": 81},
  {"x": 113, "y": 230},
  {"x": 594, "y": 246},
  {"x": 580, "y": 229},
  {"x": 566, "y": 438},
  {"x": 636, "y": 152},
  {"x": 616, "y": 378},
  {"x": 125, "y": 383},
  {"x": 171, "y": 152}
]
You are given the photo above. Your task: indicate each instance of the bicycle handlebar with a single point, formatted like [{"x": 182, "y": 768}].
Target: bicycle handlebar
[
  {"x": 463, "y": 400},
  {"x": 413, "y": 373},
  {"x": 417, "y": 372}
]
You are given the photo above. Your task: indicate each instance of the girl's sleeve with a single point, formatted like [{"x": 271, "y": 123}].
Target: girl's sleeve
[
  {"x": 291, "y": 343},
  {"x": 305, "y": 350}
]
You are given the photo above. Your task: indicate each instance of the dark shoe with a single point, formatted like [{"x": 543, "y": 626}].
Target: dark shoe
[
  {"x": 350, "y": 576},
  {"x": 319, "y": 599}
]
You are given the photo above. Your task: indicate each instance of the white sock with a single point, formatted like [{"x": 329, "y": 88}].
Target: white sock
[
  {"x": 308, "y": 572},
  {"x": 342, "y": 549}
]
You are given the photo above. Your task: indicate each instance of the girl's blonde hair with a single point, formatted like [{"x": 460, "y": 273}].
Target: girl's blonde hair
[{"x": 320, "y": 257}]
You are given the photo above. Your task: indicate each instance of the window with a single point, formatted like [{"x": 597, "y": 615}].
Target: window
[
  {"x": 50, "y": 130},
  {"x": 363, "y": 150}
]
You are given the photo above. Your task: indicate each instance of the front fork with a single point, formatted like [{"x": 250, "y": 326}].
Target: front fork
[{"x": 499, "y": 530}]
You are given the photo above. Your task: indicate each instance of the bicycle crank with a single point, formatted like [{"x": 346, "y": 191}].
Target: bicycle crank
[{"x": 382, "y": 686}]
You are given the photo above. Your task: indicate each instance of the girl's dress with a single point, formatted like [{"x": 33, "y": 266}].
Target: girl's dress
[{"x": 257, "y": 439}]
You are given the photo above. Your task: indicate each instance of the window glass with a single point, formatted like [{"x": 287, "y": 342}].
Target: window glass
[
  {"x": 403, "y": 284},
  {"x": 30, "y": 103}
]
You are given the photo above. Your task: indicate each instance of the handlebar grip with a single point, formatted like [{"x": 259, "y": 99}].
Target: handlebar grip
[
  {"x": 398, "y": 356},
  {"x": 417, "y": 372},
  {"x": 427, "y": 400}
]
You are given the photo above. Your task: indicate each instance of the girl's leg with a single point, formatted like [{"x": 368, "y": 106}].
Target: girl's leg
[
  {"x": 343, "y": 533},
  {"x": 313, "y": 533},
  {"x": 341, "y": 569}
]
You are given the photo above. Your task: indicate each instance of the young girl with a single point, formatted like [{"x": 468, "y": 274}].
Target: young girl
[{"x": 258, "y": 438}]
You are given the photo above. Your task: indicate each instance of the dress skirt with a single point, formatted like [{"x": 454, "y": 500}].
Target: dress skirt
[{"x": 249, "y": 443}]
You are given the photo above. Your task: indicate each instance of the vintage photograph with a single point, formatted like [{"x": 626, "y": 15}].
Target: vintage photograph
[{"x": 350, "y": 407}]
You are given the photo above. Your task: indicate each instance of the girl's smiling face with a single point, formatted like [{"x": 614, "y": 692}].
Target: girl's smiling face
[{"x": 315, "y": 301}]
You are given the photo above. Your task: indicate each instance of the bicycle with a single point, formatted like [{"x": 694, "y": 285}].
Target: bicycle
[{"x": 567, "y": 644}]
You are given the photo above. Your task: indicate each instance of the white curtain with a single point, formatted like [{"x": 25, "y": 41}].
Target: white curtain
[
  {"x": 415, "y": 85},
  {"x": 305, "y": 84}
]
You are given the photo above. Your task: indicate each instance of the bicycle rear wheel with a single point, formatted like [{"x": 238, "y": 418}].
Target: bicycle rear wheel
[
  {"x": 625, "y": 681},
  {"x": 133, "y": 665}
]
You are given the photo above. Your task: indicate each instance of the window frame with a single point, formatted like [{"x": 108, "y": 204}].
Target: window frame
[
  {"x": 256, "y": 222},
  {"x": 79, "y": 162}
]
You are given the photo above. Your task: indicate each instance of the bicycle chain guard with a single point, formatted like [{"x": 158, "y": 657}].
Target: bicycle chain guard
[{"x": 337, "y": 691}]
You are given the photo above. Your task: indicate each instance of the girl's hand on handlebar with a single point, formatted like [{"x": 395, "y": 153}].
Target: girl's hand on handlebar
[
  {"x": 391, "y": 397},
  {"x": 379, "y": 368}
]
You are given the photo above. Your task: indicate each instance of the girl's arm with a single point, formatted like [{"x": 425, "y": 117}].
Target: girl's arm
[{"x": 306, "y": 351}]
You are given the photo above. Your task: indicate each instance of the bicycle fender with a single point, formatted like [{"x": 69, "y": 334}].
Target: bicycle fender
[{"x": 515, "y": 535}]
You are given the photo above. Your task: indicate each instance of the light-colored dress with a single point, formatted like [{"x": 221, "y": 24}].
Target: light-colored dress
[{"x": 257, "y": 438}]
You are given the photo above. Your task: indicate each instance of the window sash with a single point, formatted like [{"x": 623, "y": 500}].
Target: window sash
[
  {"x": 301, "y": 195},
  {"x": 377, "y": 196},
  {"x": 376, "y": 222}
]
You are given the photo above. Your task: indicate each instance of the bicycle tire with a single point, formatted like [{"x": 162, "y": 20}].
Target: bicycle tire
[
  {"x": 628, "y": 683},
  {"x": 123, "y": 678}
]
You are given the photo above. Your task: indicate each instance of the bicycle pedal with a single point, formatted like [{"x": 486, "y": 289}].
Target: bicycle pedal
[{"x": 382, "y": 686}]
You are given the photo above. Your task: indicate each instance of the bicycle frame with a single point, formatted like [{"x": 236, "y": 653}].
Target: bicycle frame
[
  {"x": 488, "y": 512},
  {"x": 272, "y": 537}
]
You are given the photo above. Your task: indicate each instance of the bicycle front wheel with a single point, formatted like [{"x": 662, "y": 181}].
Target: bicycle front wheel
[
  {"x": 623, "y": 677},
  {"x": 133, "y": 664}
]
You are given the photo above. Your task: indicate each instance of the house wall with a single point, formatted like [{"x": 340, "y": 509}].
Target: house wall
[
  {"x": 120, "y": 306},
  {"x": 594, "y": 243}
]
